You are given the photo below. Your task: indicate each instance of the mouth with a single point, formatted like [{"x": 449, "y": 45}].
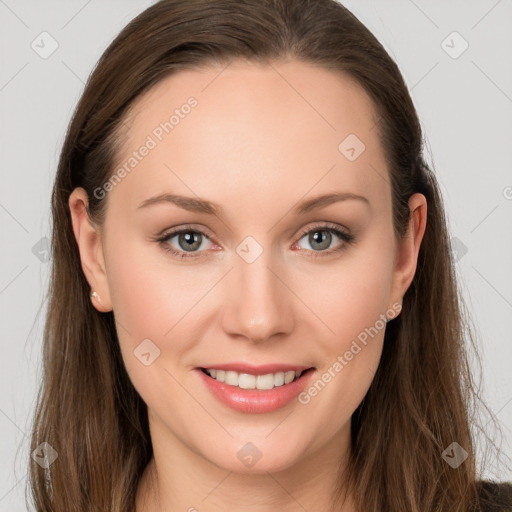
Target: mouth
[
  {"x": 260, "y": 382},
  {"x": 265, "y": 390}
]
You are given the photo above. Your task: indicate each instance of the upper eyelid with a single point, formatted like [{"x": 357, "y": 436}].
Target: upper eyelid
[{"x": 323, "y": 225}]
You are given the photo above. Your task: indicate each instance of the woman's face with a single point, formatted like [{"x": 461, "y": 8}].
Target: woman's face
[{"x": 262, "y": 280}]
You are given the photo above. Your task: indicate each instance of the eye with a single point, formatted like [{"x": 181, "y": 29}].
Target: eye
[
  {"x": 190, "y": 240},
  {"x": 320, "y": 238}
]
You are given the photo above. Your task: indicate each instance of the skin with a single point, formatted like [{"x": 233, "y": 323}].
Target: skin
[{"x": 261, "y": 139}]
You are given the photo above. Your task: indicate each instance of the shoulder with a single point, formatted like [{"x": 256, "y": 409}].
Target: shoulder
[{"x": 495, "y": 496}]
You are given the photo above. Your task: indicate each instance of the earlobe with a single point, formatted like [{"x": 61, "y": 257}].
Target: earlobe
[
  {"x": 88, "y": 239},
  {"x": 409, "y": 246}
]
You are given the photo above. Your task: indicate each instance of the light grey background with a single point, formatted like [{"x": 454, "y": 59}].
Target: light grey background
[{"x": 464, "y": 102}]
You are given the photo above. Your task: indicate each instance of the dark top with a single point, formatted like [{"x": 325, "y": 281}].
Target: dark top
[{"x": 496, "y": 497}]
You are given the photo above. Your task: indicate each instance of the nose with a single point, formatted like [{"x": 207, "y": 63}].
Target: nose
[{"x": 258, "y": 302}]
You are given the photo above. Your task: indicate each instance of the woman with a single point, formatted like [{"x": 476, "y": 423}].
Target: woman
[{"x": 202, "y": 352}]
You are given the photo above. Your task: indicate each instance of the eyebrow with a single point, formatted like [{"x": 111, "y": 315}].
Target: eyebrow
[{"x": 203, "y": 206}]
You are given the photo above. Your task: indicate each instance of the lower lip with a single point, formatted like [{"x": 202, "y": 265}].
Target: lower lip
[{"x": 256, "y": 400}]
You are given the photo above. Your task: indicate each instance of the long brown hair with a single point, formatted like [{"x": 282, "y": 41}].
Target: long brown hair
[{"x": 422, "y": 397}]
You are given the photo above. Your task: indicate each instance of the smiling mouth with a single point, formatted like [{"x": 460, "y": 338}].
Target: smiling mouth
[{"x": 259, "y": 382}]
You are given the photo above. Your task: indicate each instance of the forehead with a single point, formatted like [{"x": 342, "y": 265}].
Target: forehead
[{"x": 254, "y": 130}]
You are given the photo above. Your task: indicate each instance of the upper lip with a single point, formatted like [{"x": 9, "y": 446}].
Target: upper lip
[{"x": 256, "y": 369}]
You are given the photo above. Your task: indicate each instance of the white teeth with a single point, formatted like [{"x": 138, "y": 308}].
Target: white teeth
[
  {"x": 289, "y": 376},
  {"x": 231, "y": 378},
  {"x": 267, "y": 381},
  {"x": 279, "y": 379},
  {"x": 247, "y": 381}
]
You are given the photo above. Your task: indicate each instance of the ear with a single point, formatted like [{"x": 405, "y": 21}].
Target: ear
[
  {"x": 406, "y": 257},
  {"x": 88, "y": 238}
]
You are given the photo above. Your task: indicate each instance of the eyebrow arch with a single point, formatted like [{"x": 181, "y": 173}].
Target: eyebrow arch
[
  {"x": 326, "y": 200},
  {"x": 187, "y": 203},
  {"x": 203, "y": 206}
]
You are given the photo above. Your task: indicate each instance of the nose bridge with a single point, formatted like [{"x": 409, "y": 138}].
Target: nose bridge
[{"x": 259, "y": 303}]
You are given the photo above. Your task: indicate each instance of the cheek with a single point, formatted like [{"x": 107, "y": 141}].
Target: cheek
[
  {"x": 350, "y": 295},
  {"x": 352, "y": 303},
  {"x": 150, "y": 291},
  {"x": 353, "y": 307},
  {"x": 139, "y": 293},
  {"x": 356, "y": 318},
  {"x": 149, "y": 295},
  {"x": 150, "y": 299},
  {"x": 155, "y": 298}
]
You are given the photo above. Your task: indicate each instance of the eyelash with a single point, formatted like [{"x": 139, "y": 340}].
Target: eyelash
[{"x": 346, "y": 237}]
